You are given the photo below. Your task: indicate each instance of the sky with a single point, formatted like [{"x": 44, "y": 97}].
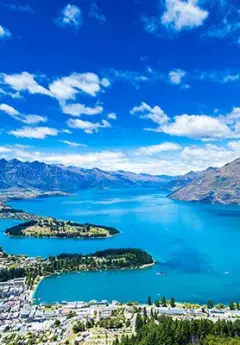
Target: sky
[{"x": 138, "y": 85}]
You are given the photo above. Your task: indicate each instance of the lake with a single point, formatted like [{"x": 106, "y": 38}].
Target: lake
[{"x": 197, "y": 246}]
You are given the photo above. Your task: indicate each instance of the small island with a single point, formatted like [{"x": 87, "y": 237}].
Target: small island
[
  {"x": 17, "y": 266},
  {"x": 51, "y": 227}
]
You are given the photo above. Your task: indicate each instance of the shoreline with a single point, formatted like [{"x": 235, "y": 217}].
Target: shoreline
[{"x": 41, "y": 278}]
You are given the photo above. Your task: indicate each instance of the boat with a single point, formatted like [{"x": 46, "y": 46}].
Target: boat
[{"x": 161, "y": 274}]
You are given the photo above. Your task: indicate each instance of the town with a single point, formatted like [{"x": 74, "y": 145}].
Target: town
[{"x": 26, "y": 321}]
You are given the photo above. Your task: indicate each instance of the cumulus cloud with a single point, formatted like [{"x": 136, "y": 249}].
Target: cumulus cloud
[
  {"x": 155, "y": 149},
  {"x": 77, "y": 109},
  {"x": 96, "y": 13},
  {"x": 34, "y": 132},
  {"x": 70, "y": 16},
  {"x": 155, "y": 114},
  {"x": 204, "y": 127},
  {"x": 29, "y": 119},
  {"x": 67, "y": 87},
  {"x": 87, "y": 126},
  {"x": 176, "y": 76},
  {"x": 183, "y": 15},
  {"x": 24, "y": 82},
  {"x": 63, "y": 89},
  {"x": 112, "y": 116},
  {"x": 197, "y": 126},
  {"x": 5, "y": 34}
]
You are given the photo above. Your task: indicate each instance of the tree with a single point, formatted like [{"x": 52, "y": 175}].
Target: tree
[
  {"x": 139, "y": 322},
  {"x": 163, "y": 302},
  {"x": 149, "y": 300},
  {"x": 57, "y": 323},
  {"x": 172, "y": 302},
  {"x": 210, "y": 304},
  {"x": 237, "y": 306},
  {"x": 231, "y": 305},
  {"x": 157, "y": 303}
]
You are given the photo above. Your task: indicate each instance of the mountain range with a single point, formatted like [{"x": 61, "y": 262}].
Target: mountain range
[
  {"x": 51, "y": 177},
  {"x": 214, "y": 186}
]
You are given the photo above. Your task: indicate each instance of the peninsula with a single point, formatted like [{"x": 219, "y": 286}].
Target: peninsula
[
  {"x": 51, "y": 227},
  {"x": 38, "y": 226},
  {"x": 17, "y": 266}
]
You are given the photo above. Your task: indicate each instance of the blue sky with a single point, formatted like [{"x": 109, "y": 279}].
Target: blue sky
[{"x": 139, "y": 85}]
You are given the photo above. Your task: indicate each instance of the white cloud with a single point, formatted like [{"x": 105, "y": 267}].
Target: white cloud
[
  {"x": 66, "y": 131},
  {"x": 78, "y": 109},
  {"x": 63, "y": 89},
  {"x": 5, "y": 33},
  {"x": 72, "y": 144},
  {"x": 234, "y": 145},
  {"x": 34, "y": 132},
  {"x": 206, "y": 156},
  {"x": 182, "y": 15},
  {"x": 27, "y": 119},
  {"x": 8, "y": 109},
  {"x": 24, "y": 82},
  {"x": 112, "y": 116},
  {"x": 87, "y": 126},
  {"x": 105, "y": 82},
  {"x": 67, "y": 87},
  {"x": 32, "y": 119},
  {"x": 176, "y": 76},
  {"x": 197, "y": 126},
  {"x": 71, "y": 16},
  {"x": 155, "y": 149},
  {"x": 204, "y": 127},
  {"x": 96, "y": 13},
  {"x": 195, "y": 157},
  {"x": 155, "y": 114},
  {"x": 4, "y": 149}
]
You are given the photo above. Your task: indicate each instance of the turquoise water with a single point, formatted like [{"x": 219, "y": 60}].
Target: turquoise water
[{"x": 196, "y": 245}]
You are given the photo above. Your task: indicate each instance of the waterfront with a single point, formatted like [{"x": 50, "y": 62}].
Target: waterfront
[{"x": 196, "y": 244}]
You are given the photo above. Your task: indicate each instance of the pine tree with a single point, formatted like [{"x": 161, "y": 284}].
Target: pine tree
[
  {"x": 139, "y": 322},
  {"x": 163, "y": 302},
  {"x": 210, "y": 304},
  {"x": 172, "y": 303},
  {"x": 149, "y": 300},
  {"x": 231, "y": 305}
]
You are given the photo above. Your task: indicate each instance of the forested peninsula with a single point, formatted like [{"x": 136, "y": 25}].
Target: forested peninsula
[
  {"x": 50, "y": 227},
  {"x": 39, "y": 226},
  {"x": 17, "y": 266}
]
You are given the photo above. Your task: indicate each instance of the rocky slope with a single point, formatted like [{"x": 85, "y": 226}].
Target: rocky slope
[{"x": 214, "y": 186}]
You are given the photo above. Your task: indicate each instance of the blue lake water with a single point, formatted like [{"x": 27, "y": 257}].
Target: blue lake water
[{"x": 197, "y": 246}]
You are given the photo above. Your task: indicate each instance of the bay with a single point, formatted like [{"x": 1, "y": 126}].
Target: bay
[{"x": 197, "y": 245}]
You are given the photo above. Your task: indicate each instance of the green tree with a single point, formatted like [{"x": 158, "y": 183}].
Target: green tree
[
  {"x": 231, "y": 305},
  {"x": 237, "y": 306},
  {"x": 210, "y": 304},
  {"x": 149, "y": 300},
  {"x": 163, "y": 302},
  {"x": 139, "y": 322},
  {"x": 172, "y": 302}
]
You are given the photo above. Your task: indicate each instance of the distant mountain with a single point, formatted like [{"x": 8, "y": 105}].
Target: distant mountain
[
  {"x": 214, "y": 186},
  {"x": 50, "y": 177}
]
